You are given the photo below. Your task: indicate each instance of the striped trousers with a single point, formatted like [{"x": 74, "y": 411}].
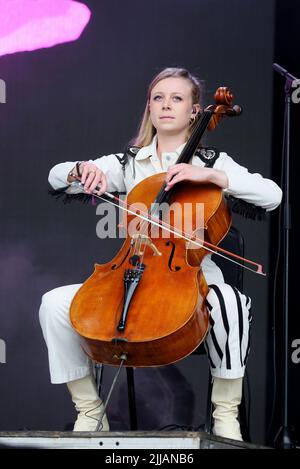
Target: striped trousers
[{"x": 227, "y": 341}]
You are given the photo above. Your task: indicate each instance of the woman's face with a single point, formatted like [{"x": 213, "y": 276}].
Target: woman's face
[{"x": 171, "y": 105}]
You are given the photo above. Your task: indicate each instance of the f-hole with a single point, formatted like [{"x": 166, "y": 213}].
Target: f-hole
[
  {"x": 116, "y": 266},
  {"x": 176, "y": 267}
]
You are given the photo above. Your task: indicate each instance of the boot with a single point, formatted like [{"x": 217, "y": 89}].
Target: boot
[
  {"x": 88, "y": 405},
  {"x": 226, "y": 397}
]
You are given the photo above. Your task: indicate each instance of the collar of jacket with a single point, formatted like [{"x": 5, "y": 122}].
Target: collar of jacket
[{"x": 150, "y": 150}]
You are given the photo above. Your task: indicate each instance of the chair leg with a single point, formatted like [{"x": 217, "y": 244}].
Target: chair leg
[
  {"x": 98, "y": 373},
  {"x": 244, "y": 419},
  {"x": 209, "y": 407},
  {"x": 131, "y": 398}
]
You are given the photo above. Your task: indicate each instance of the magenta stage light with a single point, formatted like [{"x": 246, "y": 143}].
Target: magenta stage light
[{"x": 27, "y": 25}]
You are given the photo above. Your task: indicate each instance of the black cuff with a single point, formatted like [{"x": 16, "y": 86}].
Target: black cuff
[
  {"x": 246, "y": 209},
  {"x": 67, "y": 198}
]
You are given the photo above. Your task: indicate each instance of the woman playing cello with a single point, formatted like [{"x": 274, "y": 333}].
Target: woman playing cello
[{"x": 172, "y": 109}]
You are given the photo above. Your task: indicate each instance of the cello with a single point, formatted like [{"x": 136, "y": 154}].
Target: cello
[{"x": 146, "y": 307}]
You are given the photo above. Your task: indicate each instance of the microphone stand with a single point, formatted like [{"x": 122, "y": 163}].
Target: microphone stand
[{"x": 284, "y": 437}]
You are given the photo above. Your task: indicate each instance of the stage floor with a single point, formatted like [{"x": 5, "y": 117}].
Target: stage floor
[{"x": 119, "y": 440}]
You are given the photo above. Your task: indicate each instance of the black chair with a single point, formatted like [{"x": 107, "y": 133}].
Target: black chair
[{"x": 233, "y": 275}]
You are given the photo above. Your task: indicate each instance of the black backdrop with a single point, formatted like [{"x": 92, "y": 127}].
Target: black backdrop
[{"x": 83, "y": 99}]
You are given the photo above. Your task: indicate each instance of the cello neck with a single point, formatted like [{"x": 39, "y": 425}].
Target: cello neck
[
  {"x": 188, "y": 151},
  {"x": 195, "y": 138}
]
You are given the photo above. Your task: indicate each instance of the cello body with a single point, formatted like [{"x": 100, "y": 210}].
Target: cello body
[{"x": 155, "y": 282}]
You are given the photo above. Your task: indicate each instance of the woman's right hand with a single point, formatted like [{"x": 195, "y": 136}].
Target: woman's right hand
[{"x": 92, "y": 177}]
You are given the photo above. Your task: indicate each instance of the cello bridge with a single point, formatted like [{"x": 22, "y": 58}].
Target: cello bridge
[{"x": 145, "y": 240}]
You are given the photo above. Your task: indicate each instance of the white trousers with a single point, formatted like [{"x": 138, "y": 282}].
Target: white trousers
[{"x": 227, "y": 342}]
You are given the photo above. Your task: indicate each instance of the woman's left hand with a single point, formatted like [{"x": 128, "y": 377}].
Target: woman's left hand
[{"x": 188, "y": 172}]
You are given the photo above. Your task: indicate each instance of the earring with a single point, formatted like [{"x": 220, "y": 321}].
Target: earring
[{"x": 191, "y": 121}]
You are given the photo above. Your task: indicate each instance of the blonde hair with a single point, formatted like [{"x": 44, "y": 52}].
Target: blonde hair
[{"x": 146, "y": 130}]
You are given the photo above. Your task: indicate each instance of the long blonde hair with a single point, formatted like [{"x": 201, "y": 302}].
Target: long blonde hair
[{"x": 146, "y": 130}]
